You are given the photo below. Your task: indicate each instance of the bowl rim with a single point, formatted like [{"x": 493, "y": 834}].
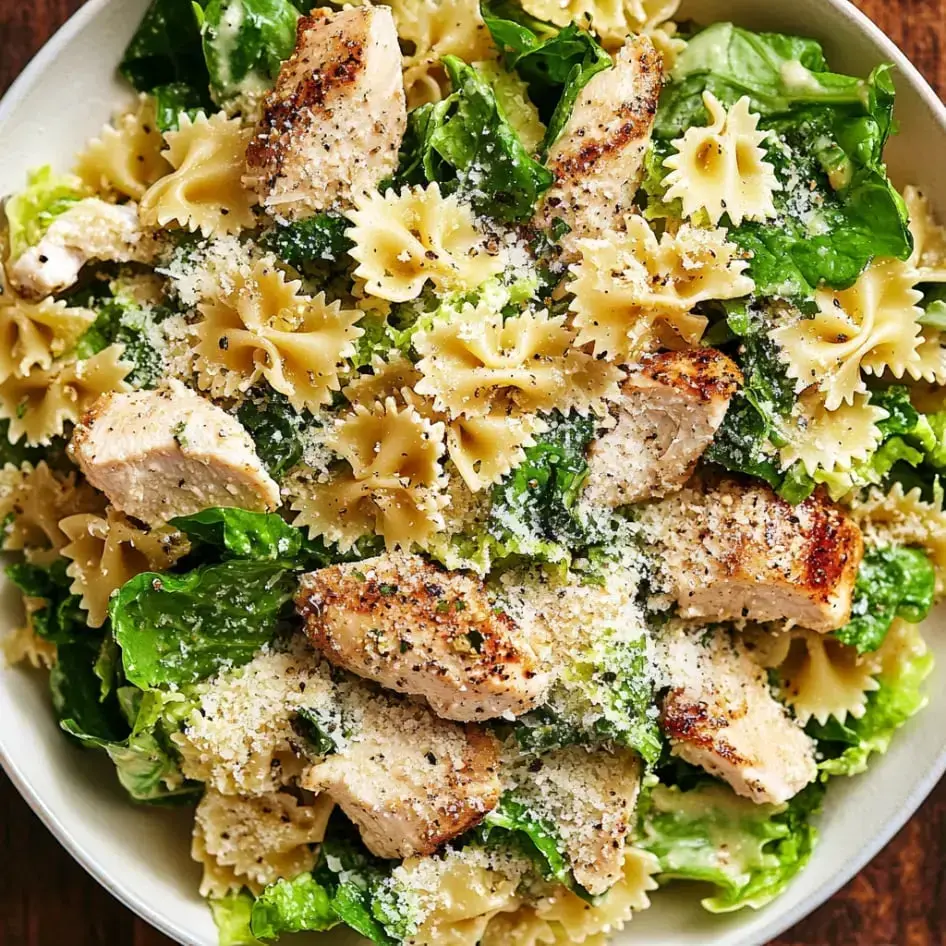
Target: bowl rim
[{"x": 166, "y": 924}]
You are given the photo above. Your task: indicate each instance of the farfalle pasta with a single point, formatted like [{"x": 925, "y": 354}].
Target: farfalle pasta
[
  {"x": 33, "y": 503},
  {"x": 23, "y": 644},
  {"x": 405, "y": 238},
  {"x": 262, "y": 327},
  {"x": 126, "y": 158},
  {"x": 476, "y": 363},
  {"x": 392, "y": 483},
  {"x": 627, "y": 284},
  {"x": 929, "y": 238},
  {"x": 434, "y": 30},
  {"x": 830, "y": 440},
  {"x": 721, "y": 169},
  {"x": 205, "y": 190},
  {"x": 870, "y": 328},
  {"x": 40, "y": 404},
  {"x": 32, "y": 335},
  {"x": 107, "y": 550},
  {"x": 820, "y": 677},
  {"x": 899, "y": 516},
  {"x": 254, "y": 841}
]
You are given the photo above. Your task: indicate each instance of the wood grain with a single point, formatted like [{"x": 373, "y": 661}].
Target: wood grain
[{"x": 46, "y": 899}]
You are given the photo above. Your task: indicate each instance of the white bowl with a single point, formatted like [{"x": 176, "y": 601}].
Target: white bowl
[{"x": 141, "y": 854}]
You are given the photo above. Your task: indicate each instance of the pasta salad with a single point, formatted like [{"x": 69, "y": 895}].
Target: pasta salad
[{"x": 482, "y": 457}]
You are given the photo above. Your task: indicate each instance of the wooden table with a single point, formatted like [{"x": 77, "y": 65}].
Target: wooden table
[{"x": 46, "y": 899}]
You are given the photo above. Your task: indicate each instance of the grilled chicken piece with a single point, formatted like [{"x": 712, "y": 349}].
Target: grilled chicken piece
[
  {"x": 720, "y": 714},
  {"x": 332, "y": 127},
  {"x": 170, "y": 452},
  {"x": 91, "y": 229},
  {"x": 409, "y": 780},
  {"x": 730, "y": 550},
  {"x": 670, "y": 408},
  {"x": 598, "y": 159},
  {"x": 414, "y": 628}
]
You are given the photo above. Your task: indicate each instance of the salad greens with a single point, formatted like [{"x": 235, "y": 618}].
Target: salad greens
[
  {"x": 555, "y": 64},
  {"x": 765, "y": 845},
  {"x": 466, "y": 143},
  {"x": 30, "y": 212},
  {"x": 276, "y": 428},
  {"x": 177, "y": 629},
  {"x": 849, "y": 745},
  {"x": 827, "y": 131},
  {"x": 244, "y": 43},
  {"x": 892, "y": 582}
]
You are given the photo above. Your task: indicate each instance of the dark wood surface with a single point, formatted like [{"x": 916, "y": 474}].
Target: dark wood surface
[{"x": 46, "y": 899}]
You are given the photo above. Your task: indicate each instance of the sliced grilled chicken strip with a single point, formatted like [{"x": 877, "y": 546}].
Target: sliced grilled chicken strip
[
  {"x": 169, "y": 452},
  {"x": 332, "y": 126},
  {"x": 415, "y": 628},
  {"x": 729, "y": 549},
  {"x": 599, "y": 157},
  {"x": 670, "y": 408},
  {"x": 721, "y": 715},
  {"x": 409, "y": 780}
]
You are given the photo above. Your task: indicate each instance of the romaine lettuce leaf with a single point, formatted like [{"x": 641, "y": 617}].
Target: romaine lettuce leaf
[
  {"x": 239, "y": 533},
  {"x": 121, "y": 320},
  {"x": 146, "y": 761},
  {"x": 749, "y": 852},
  {"x": 292, "y": 906},
  {"x": 355, "y": 881},
  {"x": 176, "y": 629},
  {"x": 61, "y": 620},
  {"x": 76, "y": 693},
  {"x": 848, "y": 746},
  {"x": 466, "y": 142},
  {"x": 511, "y": 824},
  {"x": 555, "y": 64},
  {"x": 176, "y": 99},
  {"x": 232, "y": 915},
  {"x": 244, "y": 43},
  {"x": 892, "y": 582},
  {"x": 166, "y": 48},
  {"x": 313, "y": 240},
  {"x": 30, "y": 212}
]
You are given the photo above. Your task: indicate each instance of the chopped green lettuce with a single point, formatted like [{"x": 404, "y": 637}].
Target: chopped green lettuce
[
  {"x": 749, "y": 852},
  {"x": 533, "y": 511},
  {"x": 848, "y": 746},
  {"x": 836, "y": 209},
  {"x": 239, "y": 533},
  {"x": 892, "y": 582},
  {"x": 312, "y": 240},
  {"x": 292, "y": 906},
  {"x": 146, "y": 761},
  {"x": 30, "y": 212},
  {"x": 555, "y": 64},
  {"x": 244, "y": 43},
  {"x": 356, "y": 883},
  {"x": 123, "y": 321},
  {"x": 61, "y": 620},
  {"x": 166, "y": 48},
  {"x": 511, "y": 825},
  {"x": 744, "y": 441},
  {"x": 232, "y": 915},
  {"x": 176, "y": 629},
  {"x": 276, "y": 428},
  {"x": 77, "y": 690},
  {"x": 176, "y": 99},
  {"x": 466, "y": 143}
]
